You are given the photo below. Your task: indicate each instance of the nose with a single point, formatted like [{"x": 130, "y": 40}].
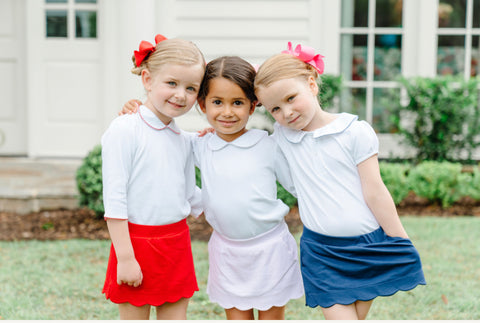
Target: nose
[
  {"x": 227, "y": 110},
  {"x": 180, "y": 93},
  {"x": 287, "y": 112}
]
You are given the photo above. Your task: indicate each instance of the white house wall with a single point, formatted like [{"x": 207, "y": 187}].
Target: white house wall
[
  {"x": 58, "y": 96},
  {"x": 13, "y": 92}
]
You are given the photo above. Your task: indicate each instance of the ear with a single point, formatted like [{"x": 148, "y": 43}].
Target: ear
[
  {"x": 312, "y": 84},
  {"x": 201, "y": 103},
  {"x": 146, "y": 79},
  {"x": 252, "y": 107}
]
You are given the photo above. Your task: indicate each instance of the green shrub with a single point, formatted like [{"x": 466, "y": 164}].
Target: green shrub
[
  {"x": 329, "y": 88},
  {"x": 285, "y": 196},
  {"x": 394, "y": 176},
  {"x": 441, "y": 118},
  {"x": 89, "y": 181},
  {"x": 439, "y": 182},
  {"x": 474, "y": 187}
]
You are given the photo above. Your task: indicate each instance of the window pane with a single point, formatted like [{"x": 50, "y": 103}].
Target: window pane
[
  {"x": 388, "y": 57},
  {"x": 451, "y": 55},
  {"x": 56, "y": 21},
  {"x": 381, "y": 114},
  {"x": 86, "y": 24},
  {"x": 388, "y": 13},
  {"x": 476, "y": 13},
  {"x": 353, "y": 100},
  {"x": 56, "y": 1},
  {"x": 354, "y": 57},
  {"x": 86, "y": 1},
  {"x": 475, "y": 69},
  {"x": 354, "y": 13},
  {"x": 452, "y": 13}
]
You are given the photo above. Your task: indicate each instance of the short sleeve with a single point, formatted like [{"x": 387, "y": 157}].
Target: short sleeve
[
  {"x": 365, "y": 141},
  {"x": 282, "y": 171}
]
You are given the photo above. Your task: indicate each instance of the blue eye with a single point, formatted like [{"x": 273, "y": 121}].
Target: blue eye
[
  {"x": 275, "y": 109},
  {"x": 171, "y": 83},
  {"x": 291, "y": 98}
]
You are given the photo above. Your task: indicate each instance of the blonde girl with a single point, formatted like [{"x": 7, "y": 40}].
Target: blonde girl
[
  {"x": 253, "y": 261},
  {"x": 149, "y": 187},
  {"x": 353, "y": 247}
]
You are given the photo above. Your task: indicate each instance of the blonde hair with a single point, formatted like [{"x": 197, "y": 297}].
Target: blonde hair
[
  {"x": 283, "y": 66},
  {"x": 170, "y": 51}
]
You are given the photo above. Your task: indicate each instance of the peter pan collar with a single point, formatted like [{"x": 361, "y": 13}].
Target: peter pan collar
[
  {"x": 154, "y": 122},
  {"x": 248, "y": 139},
  {"x": 338, "y": 125}
]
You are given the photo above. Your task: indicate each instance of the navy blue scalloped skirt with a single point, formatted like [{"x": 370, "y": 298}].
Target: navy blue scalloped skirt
[{"x": 342, "y": 270}]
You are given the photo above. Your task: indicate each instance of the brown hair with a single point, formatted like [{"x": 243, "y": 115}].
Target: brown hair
[
  {"x": 170, "y": 51},
  {"x": 283, "y": 66},
  {"x": 232, "y": 68}
]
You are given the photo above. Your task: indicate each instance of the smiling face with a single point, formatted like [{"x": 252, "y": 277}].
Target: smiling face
[
  {"x": 172, "y": 90},
  {"x": 227, "y": 108},
  {"x": 292, "y": 102}
]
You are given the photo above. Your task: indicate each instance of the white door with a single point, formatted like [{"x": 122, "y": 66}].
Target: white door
[
  {"x": 13, "y": 134},
  {"x": 64, "y": 77}
]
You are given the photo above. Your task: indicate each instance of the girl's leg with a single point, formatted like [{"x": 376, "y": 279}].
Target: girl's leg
[
  {"x": 173, "y": 311},
  {"x": 340, "y": 312},
  {"x": 131, "y": 312},
  {"x": 236, "y": 314},
  {"x": 363, "y": 308},
  {"x": 274, "y": 313},
  {"x": 355, "y": 311}
]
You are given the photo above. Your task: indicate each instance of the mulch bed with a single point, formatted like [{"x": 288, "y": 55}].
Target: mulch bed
[{"x": 81, "y": 223}]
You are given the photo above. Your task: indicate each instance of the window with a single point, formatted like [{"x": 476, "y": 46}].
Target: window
[
  {"x": 458, "y": 50},
  {"x": 371, "y": 57},
  {"x": 71, "y": 18}
]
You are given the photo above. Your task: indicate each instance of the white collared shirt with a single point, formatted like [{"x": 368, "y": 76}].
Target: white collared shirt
[
  {"x": 148, "y": 171},
  {"x": 323, "y": 164},
  {"x": 239, "y": 183}
]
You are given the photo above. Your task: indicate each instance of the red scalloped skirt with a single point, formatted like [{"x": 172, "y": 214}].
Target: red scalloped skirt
[{"x": 164, "y": 254}]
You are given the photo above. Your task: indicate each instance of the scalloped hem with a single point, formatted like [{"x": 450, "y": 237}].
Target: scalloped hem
[
  {"x": 329, "y": 299},
  {"x": 155, "y": 303},
  {"x": 257, "y": 302}
]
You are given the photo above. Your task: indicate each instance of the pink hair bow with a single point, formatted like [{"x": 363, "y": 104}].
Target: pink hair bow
[
  {"x": 307, "y": 55},
  {"x": 146, "y": 49}
]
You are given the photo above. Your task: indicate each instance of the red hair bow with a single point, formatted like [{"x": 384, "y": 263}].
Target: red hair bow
[
  {"x": 145, "y": 49},
  {"x": 307, "y": 55}
]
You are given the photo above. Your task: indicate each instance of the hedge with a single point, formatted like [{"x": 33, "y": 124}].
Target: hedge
[{"x": 441, "y": 183}]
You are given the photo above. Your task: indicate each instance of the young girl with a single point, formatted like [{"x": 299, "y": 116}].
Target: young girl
[
  {"x": 253, "y": 262},
  {"x": 149, "y": 187},
  {"x": 354, "y": 247}
]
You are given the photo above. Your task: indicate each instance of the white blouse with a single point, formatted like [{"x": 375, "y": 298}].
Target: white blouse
[
  {"x": 148, "y": 171},
  {"x": 323, "y": 164},
  {"x": 239, "y": 190}
]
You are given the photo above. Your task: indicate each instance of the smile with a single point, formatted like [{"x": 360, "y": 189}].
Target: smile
[
  {"x": 175, "y": 105},
  {"x": 226, "y": 123},
  {"x": 294, "y": 120}
]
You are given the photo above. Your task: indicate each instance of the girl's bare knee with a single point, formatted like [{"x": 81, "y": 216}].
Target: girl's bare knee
[
  {"x": 173, "y": 311},
  {"x": 274, "y": 313}
]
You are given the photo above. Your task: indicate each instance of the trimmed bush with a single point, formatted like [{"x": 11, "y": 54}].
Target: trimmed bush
[
  {"x": 439, "y": 182},
  {"x": 89, "y": 181},
  {"x": 395, "y": 178},
  {"x": 285, "y": 196}
]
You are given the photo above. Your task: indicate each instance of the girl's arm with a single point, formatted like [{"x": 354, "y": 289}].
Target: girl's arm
[
  {"x": 378, "y": 198},
  {"x": 128, "y": 269}
]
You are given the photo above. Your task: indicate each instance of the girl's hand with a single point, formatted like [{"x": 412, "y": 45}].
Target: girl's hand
[
  {"x": 129, "y": 272},
  {"x": 203, "y": 132},
  {"x": 130, "y": 107}
]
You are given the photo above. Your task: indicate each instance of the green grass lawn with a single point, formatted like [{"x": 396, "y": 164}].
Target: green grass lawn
[{"x": 63, "y": 279}]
